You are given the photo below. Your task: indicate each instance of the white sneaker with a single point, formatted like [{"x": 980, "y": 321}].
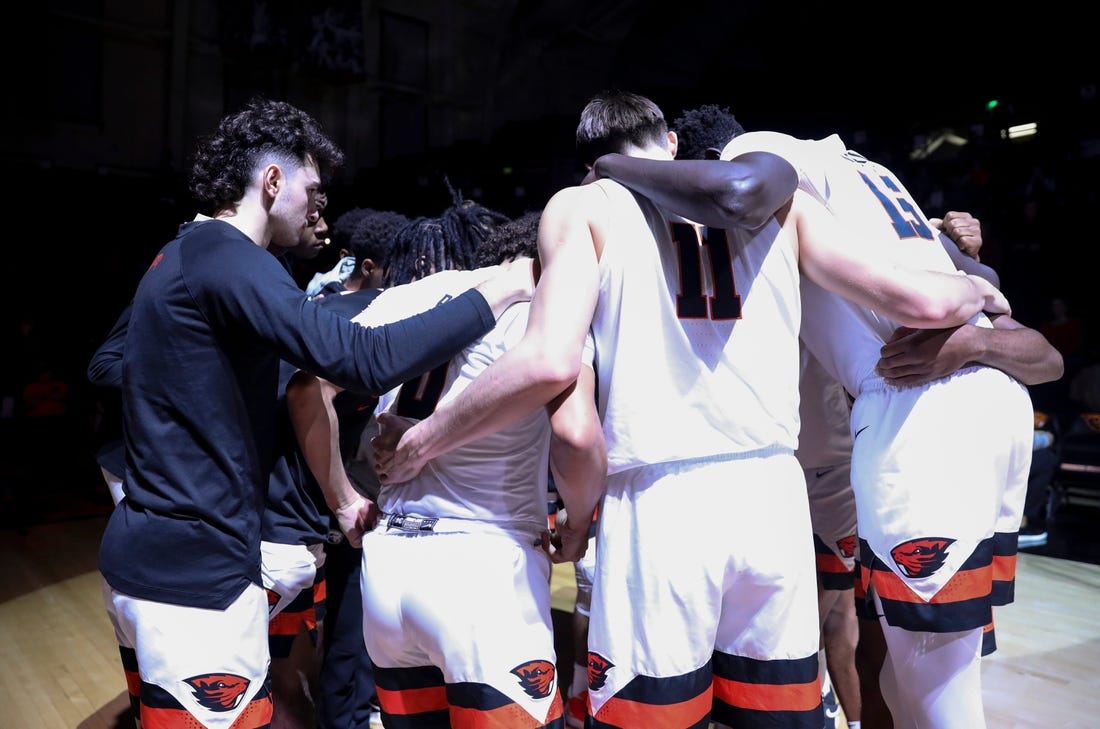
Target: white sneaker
[
  {"x": 374, "y": 721},
  {"x": 1031, "y": 538},
  {"x": 831, "y": 707}
]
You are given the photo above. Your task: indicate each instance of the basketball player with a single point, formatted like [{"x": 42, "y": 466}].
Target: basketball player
[
  {"x": 443, "y": 655},
  {"x": 846, "y": 334}
]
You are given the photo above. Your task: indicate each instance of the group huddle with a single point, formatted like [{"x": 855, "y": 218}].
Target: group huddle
[{"x": 784, "y": 397}]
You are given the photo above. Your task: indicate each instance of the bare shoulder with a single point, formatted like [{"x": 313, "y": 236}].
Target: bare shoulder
[{"x": 579, "y": 196}]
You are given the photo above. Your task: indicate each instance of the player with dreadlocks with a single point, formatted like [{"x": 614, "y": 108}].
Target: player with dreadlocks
[
  {"x": 449, "y": 242},
  {"x": 479, "y": 511}
]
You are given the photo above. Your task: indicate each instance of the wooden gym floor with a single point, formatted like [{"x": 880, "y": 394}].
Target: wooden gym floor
[{"x": 59, "y": 666}]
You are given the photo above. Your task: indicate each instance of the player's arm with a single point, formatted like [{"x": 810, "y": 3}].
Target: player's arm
[
  {"x": 743, "y": 192},
  {"x": 915, "y": 356},
  {"x": 105, "y": 366},
  {"x": 835, "y": 259},
  {"x": 309, "y": 402},
  {"x": 578, "y": 460},
  {"x": 542, "y": 364}
]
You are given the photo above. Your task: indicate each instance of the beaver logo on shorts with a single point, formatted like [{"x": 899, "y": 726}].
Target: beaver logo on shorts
[
  {"x": 921, "y": 557},
  {"x": 218, "y": 691},
  {"x": 536, "y": 677},
  {"x": 272, "y": 601},
  {"x": 598, "y": 666},
  {"x": 847, "y": 545}
]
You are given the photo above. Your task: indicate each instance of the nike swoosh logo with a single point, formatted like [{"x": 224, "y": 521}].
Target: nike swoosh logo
[
  {"x": 819, "y": 474},
  {"x": 865, "y": 427}
]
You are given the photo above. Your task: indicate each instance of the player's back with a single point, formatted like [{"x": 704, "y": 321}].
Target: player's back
[
  {"x": 500, "y": 477},
  {"x": 696, "y": 342},
  {"x": 872, "y": 203}
]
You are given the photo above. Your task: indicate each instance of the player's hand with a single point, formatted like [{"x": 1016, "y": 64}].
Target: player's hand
[
  {"x": 964, "y": 229},
  {"x": 508, "y": 283},
  {"x": 567, "y": 543},
  {"x": 355, "y": 518},
  {"x": 395, "y": 450},
  {"x": 916, "y": 356}
]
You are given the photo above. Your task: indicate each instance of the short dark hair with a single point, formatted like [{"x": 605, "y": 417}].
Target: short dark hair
[
  {"x": 367, "y": 233},
  {"x": 439, "y": 244},
  {"x": 612, "y": 121},
  {"x": 706, "y": 127},
  {"x": 224, "y": 161},
  {"x": 514, "y": 239}
]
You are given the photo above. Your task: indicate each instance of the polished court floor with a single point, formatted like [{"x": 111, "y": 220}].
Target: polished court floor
[{"x": 59, "y": 664}]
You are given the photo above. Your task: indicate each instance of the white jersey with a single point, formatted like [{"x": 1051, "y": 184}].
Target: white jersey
[
  {"x": 846, "y": 337},
  {"x": 500, "y": 478},
  {"x": 825, "y": 438},
  {"x": 914, "y": 471},
  {"x": 697, "y": 342}
]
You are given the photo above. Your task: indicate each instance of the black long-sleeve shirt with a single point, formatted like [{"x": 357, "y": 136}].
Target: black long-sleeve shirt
[{"x": 209, "y": 323}]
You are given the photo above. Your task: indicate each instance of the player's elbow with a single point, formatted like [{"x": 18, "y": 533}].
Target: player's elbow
[
  {"x": 1049, "y": 369},
  {"x": 574, "y": 435},
  {"x": 932, "y": 313},
  {"x": 749, "y": 201},
  {"x": 552, "y": 367}
]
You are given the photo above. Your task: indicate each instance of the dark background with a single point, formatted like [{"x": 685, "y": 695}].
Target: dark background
[{"x": 105, "y": 99}]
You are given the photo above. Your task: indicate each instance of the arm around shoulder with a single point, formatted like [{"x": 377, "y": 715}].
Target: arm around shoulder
[
  {"x": 915, "y": 356},
  {"x": 740, "y": 193}
]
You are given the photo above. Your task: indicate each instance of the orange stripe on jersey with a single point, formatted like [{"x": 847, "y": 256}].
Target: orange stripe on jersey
[
  {"x": 768, "y": 697},
  {"x": 832, "y": 564},
  {"x": 989, "y": 639},
  {"x": 509, "y": 716},
  {"x": 413, "y": 701},
  {"x": 1004, "y": 568},
  {"x": 256, "y": 715},
  {"x": 626, "y": 713},
  {"x": 964, "y": 585},
  {"x": 288, "y": 623},
  {"x": 320, "y": 591},
  {"x": 154, "y": 718},
  {"x": 133, "y": 683}
]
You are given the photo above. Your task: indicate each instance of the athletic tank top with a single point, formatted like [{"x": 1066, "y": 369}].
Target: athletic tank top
[
  {"x": 871, "y": 202},
  {"x": 696, "y": 337},
  {"x": 501, "y": 477},
  {"x": 826, "y": 435}
]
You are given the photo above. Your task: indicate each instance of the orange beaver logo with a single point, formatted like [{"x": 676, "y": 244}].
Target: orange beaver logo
[
  {"x": 536, "y": 677},
  {"x": 921, "y": 557},
  {"x": 847, "y": 545},
  {"x": 218, "y": 691},
  {"x": 598, "y": 666}
]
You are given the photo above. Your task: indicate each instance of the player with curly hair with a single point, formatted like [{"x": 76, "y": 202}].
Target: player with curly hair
[{"x": 210, "y": 321}]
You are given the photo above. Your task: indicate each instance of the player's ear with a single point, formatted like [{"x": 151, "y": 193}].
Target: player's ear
[{"x": 673, "y": 142}]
